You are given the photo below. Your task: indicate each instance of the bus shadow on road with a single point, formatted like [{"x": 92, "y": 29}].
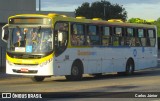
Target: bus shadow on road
[{"x": 137, "y": 74}]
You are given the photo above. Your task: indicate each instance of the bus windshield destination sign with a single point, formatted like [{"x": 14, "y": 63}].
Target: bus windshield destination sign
[{"x": 30, "y": 21}]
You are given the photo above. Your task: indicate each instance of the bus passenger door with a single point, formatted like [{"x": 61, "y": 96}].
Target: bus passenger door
[{"x": 60, "y": 37}]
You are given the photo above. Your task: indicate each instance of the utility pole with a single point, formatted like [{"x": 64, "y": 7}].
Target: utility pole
[
  {"x": 104, "y": 12},
  {"x": 104, "y": 9},
  {"x": 39, "y": 5}
]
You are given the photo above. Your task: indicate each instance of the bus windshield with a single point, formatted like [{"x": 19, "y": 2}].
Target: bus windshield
[{"x": 30, "y": 40}]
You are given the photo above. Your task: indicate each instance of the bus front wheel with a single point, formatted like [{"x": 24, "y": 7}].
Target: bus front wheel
[
  {"x": 38, "y": 78},
  {"x": 76, "y": 73}
]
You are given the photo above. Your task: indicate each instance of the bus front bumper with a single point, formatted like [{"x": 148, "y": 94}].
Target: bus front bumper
[{"x": 31, "y": 70}]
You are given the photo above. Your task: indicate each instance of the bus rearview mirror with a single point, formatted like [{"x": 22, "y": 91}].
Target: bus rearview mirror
[{"x": 5, "y": 33}]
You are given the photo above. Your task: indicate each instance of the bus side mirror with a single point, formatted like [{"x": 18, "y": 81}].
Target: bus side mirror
[{"x": 5, "y": 33}]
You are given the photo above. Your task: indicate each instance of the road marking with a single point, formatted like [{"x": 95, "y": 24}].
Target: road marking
[{"x": 156, "y": 100}]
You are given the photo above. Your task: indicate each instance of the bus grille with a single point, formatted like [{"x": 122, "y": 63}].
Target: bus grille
[
  {"x": 26, "y": 64},
  {"x": 29, "y": 71}
]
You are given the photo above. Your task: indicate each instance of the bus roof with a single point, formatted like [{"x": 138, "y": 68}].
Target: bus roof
[{"x": 83, "y": 20}]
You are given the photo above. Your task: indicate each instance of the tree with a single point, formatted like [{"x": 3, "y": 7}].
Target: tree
[
  {"x": 142, "y": 21},
  {"x": 157, "y": 23},
  {"x": 101, "y": 9},
  {"x": 136, "y": 20},
  {"x": 158, "y": 20},
  {"x": 84, "y": 10}
]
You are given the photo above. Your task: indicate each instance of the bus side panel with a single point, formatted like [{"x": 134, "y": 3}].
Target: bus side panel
[
  {"x": 150, "y": 57},
  {"x": 119, "y": 58},
  {"x": 104, "y": 60},
  {"x": 93, "y": 56},
  {"x": 107, "y": 62},
  {"x": 145, "y": 57},
  {"x": 63, "y": 63}
]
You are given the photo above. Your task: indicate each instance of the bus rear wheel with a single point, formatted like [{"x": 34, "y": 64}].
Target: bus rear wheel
[
  {"x": 76, "y": 73},
  {"x": 38, "y": 78},
  {"x": 129, "y": 67}
]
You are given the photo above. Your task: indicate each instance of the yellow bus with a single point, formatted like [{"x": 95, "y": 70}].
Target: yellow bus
[{"x": 56, "y": 45}]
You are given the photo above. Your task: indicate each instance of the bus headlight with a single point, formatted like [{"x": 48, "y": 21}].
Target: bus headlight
[
  {"x": 46, "y": 62},
  {"x": 10, "y": 63}
]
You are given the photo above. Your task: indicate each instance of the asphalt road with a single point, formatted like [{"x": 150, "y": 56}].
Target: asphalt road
[
  {"x": 147, "y": 80},
  {"x": 144, "y": 80}
]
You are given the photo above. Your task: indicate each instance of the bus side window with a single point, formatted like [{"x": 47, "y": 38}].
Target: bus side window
[
  {"x": 130, "y": 39},
  {"x": 106, "y": 38},
  {"x": 77, "y": 35},
  {"x": 142, "y": 37},
  {"x": 93, "y": 35},
  {"x": 117, "y": 37},
  {"x": 151, "y": 38},
  {"x": 137, "y": 40}
]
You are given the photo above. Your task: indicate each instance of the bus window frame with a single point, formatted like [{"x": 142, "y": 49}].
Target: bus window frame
[
  {"x": 102, "y": 28},
  {"x": 154, "y": 36},
  {"x": 120, "y": 37},
  {"x": 79, "y": 35},
  {"x": 144, "y": 36},
  {"x": 98, "y": 33},
  {"x": 132, "y": 37}
]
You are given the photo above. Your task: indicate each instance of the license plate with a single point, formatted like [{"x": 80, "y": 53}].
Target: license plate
[{"x": 24, "y": 70}]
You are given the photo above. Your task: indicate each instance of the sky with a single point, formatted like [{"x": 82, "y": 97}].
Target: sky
[{"x": 145, "y": 9}]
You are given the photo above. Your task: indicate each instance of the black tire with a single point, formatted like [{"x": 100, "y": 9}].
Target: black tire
[
  {"x": 129, "y": 67},
  {"x": 121, "y": 73},
  {"x": 38, "y": 78},
  {"x": 76, "y": 73}
]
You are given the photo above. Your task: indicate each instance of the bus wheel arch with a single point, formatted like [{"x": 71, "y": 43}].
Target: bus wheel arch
[
  {"x": 130, "y": 66},
  {"x": 77, "y": 70}
]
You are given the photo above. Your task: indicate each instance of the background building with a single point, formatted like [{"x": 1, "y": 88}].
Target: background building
[{"x": 13, "y": 7}]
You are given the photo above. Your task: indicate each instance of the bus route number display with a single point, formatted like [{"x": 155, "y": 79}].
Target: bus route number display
[{"x": 29, "y": 21}]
